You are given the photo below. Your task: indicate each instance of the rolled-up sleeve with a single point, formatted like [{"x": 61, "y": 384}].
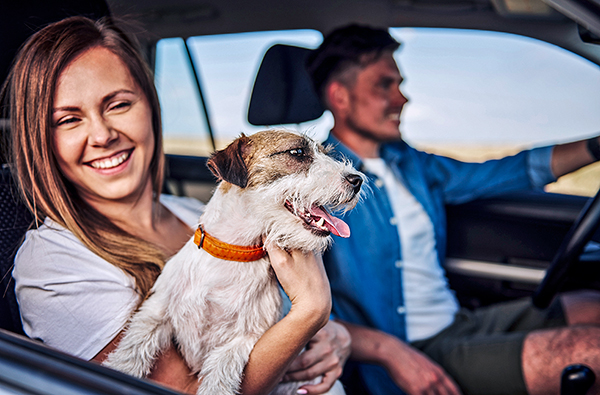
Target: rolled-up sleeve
[{"x": 539, "y": 166}]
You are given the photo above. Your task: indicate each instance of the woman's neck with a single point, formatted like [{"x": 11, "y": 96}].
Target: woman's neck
[
  {"x": 146, "y": 218},
  {"x": 133, "y": 213}
]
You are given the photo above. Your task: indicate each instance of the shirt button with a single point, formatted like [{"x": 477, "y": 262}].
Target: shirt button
[
  {"x": 393, "y": 221},
  {"x": 378, "y": 183},
  {"x": 401, "y": 310},
  {"x": 399, "y": 264}
]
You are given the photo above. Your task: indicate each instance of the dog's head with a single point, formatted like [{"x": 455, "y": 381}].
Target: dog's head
[{"x": 289, "y": 186}]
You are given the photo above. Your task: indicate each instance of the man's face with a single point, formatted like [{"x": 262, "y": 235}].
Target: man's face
[{"x": 376, "y": 102}]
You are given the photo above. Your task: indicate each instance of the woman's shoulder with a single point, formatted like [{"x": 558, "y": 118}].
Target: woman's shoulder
[
  {"x": 52, "y": 250},
  {"x": 50, "y": 235}
]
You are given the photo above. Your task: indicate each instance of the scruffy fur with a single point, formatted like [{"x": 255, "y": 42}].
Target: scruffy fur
[{"x": 216, "y": 310}]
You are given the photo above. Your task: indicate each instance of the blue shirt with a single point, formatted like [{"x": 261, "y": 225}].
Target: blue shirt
[{"x": 365, "y": 281}]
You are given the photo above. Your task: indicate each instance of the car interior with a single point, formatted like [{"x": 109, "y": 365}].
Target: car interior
[{"x": 526, "y": 244}]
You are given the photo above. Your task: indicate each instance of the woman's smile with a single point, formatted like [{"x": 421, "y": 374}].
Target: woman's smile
[{"x": 112, "y": 162}]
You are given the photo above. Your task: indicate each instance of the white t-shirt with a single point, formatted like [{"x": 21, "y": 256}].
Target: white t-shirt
[
  {"x": 69, "y": 297},
  {"x": 429, "y": 302}
]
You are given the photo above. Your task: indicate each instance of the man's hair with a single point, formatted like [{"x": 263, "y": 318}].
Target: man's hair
[{"x": 349, "y": 46}]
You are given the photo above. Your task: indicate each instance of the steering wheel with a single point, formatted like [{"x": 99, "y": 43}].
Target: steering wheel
[{"x": 580, "y": 233}]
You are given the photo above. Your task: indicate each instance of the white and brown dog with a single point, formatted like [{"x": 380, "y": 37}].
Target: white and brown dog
[{"x": 277, "y": 186}]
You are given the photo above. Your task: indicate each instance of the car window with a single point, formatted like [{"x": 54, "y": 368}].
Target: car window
[
  {"x": 185, "y": 125},
  {"x": 478, "y": 95},
  {"x": 473, "y": 95},
  {"x": 226, "y": 65}
]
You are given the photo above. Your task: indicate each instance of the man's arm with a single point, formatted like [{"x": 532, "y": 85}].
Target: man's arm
[
  {"x": 572, "y": 156},
  {"x": 410, "y": 369}
]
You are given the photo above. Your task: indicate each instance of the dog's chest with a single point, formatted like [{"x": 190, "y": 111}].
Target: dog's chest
[{"x": 237, "y": 297}]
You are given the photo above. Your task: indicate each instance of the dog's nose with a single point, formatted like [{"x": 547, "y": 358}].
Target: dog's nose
[{"x": 355, "y": 180}]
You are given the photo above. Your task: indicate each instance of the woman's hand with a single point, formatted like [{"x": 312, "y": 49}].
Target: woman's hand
[{"x": 325, "y": 355}]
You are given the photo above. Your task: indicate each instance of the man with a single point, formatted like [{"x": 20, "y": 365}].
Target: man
[{"x": 387, "y": 279}]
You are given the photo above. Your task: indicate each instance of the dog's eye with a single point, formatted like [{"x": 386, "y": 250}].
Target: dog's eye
[{"x": 297, "y": 152}]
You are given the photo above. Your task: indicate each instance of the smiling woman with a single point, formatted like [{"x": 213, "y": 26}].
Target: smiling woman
[{"x": 40, "y": 148}]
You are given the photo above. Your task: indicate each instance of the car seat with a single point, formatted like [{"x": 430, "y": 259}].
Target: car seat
[
  {"x": 15, "y": 219},
  {"x": 283, "y": 92}
]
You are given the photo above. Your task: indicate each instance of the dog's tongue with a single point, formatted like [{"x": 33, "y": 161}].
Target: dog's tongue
[{"x": 335, "y": 225}]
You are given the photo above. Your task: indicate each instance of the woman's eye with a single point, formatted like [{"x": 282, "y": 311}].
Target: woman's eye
[
  {"x": 66, "y": 121},
  {"x": 119, "y": 105}
]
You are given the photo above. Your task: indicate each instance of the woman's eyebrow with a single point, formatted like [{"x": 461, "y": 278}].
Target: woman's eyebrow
[
  {"x": 105, "y": 99},
  {"x": 65, "y": 108},
  {"x": 112, "y": 95}
]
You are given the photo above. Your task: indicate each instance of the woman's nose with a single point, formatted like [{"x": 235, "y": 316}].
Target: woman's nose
[{"x": 101, "y": 133}]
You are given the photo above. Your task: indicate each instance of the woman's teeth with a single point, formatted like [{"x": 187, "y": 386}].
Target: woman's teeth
[{"x": 110, "y": 163}]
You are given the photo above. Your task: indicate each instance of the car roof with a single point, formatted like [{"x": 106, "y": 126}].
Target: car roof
[{"x": 561, "y": 22}]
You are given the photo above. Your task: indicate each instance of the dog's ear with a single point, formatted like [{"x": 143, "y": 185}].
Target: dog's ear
[{"x": 228, "y": 164}]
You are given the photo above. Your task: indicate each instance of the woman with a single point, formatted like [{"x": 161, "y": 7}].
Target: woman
[{"x": 87, "y": 151}]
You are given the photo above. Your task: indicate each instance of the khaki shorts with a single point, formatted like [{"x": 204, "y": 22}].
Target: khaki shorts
[{"x": 481, "y": 350}]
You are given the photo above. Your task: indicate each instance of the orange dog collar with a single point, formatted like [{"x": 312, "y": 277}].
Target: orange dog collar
[{"x": 228, "y": 252}]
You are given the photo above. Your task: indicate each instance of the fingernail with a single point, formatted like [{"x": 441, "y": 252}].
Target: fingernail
[{"x": 302, "y": 391}]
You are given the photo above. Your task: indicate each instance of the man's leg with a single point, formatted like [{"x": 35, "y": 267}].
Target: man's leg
[{"x": 547, "y": 352}]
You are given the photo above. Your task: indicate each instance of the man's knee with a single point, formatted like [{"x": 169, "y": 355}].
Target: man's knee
[
  {"x": 581, "y": 307},
  {"x": 547, "y": 352}
]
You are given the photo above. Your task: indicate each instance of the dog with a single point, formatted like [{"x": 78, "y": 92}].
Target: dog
[{"x": 276, "y": 187}]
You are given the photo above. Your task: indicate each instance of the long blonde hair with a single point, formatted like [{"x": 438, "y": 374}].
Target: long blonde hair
[{"x": 30, "y": 92}]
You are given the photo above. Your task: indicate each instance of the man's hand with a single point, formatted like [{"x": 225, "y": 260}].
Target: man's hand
[
  {"x": 416, "y": 373},
  {"x": 410, "y": 369},
  {"x": 325, "y": 355}
]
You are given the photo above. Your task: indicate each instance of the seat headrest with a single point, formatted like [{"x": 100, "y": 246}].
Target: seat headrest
[{"x": 283, "y": 92}]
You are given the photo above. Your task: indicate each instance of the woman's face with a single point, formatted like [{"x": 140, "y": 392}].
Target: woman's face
[{"x": 102, "y": 128}]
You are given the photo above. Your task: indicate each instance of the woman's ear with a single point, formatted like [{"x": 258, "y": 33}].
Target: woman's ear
[{"x": 228, "y": 164}]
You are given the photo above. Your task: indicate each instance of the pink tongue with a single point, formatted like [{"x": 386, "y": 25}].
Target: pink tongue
[{"x": 335, "y": 225}]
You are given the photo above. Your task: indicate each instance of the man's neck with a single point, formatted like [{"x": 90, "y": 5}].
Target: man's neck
[{"x": 362, "y": 146}]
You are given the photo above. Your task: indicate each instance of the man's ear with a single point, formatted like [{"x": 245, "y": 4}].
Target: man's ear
[
  {"x": 228, "y": 164},
  {"x": 338, "y": 97}
]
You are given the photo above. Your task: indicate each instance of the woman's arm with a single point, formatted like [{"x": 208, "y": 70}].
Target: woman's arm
[
  {"x": 169, "y": 368},
  {"x": 303, "y": 278}
]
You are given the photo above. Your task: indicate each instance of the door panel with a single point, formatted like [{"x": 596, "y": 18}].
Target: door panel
[{"x": 498, "y": 248}]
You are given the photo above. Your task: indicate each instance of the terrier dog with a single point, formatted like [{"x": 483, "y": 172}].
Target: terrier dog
[{"x": 210, "y": 298}]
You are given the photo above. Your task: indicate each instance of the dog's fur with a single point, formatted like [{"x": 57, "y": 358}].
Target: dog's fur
[{"x": 216, "y": 310}]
